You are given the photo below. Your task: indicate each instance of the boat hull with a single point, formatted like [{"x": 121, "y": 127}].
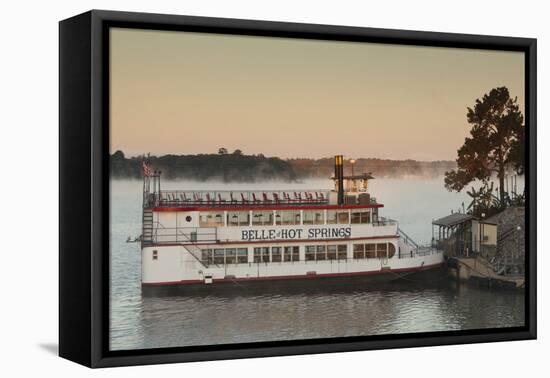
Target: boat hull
[{"x": 307, "y": 283}]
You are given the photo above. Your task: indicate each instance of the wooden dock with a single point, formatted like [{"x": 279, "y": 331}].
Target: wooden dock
[{"x": 479, "y": 270}]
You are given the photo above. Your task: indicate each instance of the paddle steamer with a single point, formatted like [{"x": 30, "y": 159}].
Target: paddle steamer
[{"x": 210, "y": 238}]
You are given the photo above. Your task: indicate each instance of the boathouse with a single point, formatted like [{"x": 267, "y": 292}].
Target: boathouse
[{"x": 463, "y": 235}]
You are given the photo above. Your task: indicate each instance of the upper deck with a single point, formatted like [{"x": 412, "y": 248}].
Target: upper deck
[
  {"x": 279, "y": 199},
  {"x": 349, "y": 192}
]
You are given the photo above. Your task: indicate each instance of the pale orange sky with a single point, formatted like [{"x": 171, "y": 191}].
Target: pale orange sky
[{"x": 189, "y": 93}]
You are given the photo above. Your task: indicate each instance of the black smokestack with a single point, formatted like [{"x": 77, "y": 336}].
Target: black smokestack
[{"x": 339, "y": 176}]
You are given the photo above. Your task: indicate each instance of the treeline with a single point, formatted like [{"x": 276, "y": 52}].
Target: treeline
[
  {"x": 222, "y": 166},
  {"x": 238, "y": 167}
]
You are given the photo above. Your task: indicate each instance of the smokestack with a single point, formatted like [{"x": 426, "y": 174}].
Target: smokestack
[{"x": 339, "y": 176}]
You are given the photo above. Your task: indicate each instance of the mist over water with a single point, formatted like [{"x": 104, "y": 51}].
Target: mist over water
[{"x": 433, "y": 305}]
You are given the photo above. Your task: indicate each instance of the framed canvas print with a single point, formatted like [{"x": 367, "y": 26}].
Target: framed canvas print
[{"x": 234, "y": 188}]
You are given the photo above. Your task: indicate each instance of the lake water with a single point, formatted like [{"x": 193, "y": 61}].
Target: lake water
[{"x": 433, "y": 303}]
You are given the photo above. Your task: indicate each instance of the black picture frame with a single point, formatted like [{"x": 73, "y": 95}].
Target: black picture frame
[{"x": 84, "y": 189}]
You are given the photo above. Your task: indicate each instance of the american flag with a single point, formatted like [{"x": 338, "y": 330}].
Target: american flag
[{"x": 147, "y": 170}]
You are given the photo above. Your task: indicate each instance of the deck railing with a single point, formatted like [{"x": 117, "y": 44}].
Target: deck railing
[
  {"x": 184, "y": 235},
  {"x": 407, "y": 238},
  {"x": 169, "y": 198}
]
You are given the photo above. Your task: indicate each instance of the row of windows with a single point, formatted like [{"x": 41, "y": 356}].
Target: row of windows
[
  {"x": 225, "y": 255},
  {"x": 278, "y": 254},
  {"x": 222, "y": 256},
  {"x": 326, "y": 252},
  {"x": 284, "y": 217},
  {"x": 312, "y": 253},
  {"x": 373, "y": 250}
]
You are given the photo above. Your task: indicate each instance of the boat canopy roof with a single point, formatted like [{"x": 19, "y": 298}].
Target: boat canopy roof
[{"x": 453, "y": 219}]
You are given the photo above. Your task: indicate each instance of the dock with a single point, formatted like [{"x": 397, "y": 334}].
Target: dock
[
  {"x": 486, "y": 251},
  {"x": 479, "y": 271}
]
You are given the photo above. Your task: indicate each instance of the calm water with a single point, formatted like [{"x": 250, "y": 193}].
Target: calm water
[{"x": 432, "y": 303}]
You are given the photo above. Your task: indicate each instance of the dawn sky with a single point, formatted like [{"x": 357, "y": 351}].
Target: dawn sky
[{"x": 189, "y": 93}]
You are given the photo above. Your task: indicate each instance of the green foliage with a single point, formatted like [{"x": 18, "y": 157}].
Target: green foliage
[
  {"x": 485, "y": 203},
  {"x": 203, "y": 167},
  {"x": 495, "y": 144},
  {"x": 238, "y": 167}
]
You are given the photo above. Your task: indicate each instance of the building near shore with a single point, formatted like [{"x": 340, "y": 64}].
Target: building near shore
[
  {"x": 463, "y": 235},
  {"x": 499, "y": 240}
]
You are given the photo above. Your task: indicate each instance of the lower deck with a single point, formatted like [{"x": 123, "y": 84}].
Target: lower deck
[{"x": 179, "y": 264}]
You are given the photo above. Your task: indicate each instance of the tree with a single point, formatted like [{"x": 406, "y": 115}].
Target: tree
[
  {"x": 237, "y": 152},
  {"x": 495, "y": 143},
  {"x": 118, "y": 155},
  {"x": 222, "y": 151}
]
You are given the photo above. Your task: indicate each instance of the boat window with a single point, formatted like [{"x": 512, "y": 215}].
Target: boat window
[
  {"x": 155, "y": 254},
  {"x": 238, "y": 218},
  {"x": 287, "y": 256},
  {"x": 391, "y": 250},
  {"x": 292, "y": 253},
  {"x": 295, "y": 253},
  {"x": 370, "y": 251},
  {"x": 261, "y": 218},
  {"x": 257, "y": 255},
  {"x": 219, "y": 256},
  {"x": 342, "y": 252},
  {"x": 222, "y": 256},
  {"x": 321, "y": 253},
  {"x": 331, "y": 252},
  {"x": 276, "y": 254},
  {"x": 206, "y": 256},
  {"x": 382, "y": 250},
  {"x": 230, "y": 256},
  {"x": 242, "y": 255},
  {"x": 334, "y": 216},
  {"x": 313, "y": 217},
  {"x": 261, "y": 254},
  {"x": 360, "y": 217},
  {"x": 287, "y": 217},
  {"x": 310, "y": 252},
  {"x": 365, "y": 217},
  {"x": 211, "y": 219},
  {"x": 358, "y": 251},
  {"x": 343, "y": 217},
  {"x": 265, "y": 254}
]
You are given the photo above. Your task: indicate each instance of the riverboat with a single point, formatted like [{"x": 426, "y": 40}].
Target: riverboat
[{"x": 213, "y": 238}]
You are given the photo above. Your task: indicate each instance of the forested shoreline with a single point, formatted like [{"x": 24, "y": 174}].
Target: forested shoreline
[{"x": 238, "y": 167}]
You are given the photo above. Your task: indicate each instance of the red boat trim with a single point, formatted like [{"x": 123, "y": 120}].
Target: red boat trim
[
  {"x": 279, "y": 241},
  {"x": 264, "y": 207},
  {"x": 303, "y": 276}
]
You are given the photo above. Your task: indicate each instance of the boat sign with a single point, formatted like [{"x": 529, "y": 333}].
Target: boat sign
[{"x": 296, "y": 233}]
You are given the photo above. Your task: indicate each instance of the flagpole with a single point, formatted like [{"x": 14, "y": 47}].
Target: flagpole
[{"x": 143, "y": 192}]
